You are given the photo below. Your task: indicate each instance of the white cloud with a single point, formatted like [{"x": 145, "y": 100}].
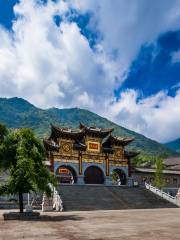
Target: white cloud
[
  {"x": 55, "y": 66},
  {"x": 156, "y": 116},
  {"x": 126, "y": 26},
  {"x": 176, "y": 57},
  {"x": 51, "y": 65}
]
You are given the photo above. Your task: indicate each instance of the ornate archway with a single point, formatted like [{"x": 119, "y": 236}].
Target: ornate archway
[
  {"x": 66, "y": 175},
  {"x": 119, "y": 176},
  {"x": 93, "y": 175}
]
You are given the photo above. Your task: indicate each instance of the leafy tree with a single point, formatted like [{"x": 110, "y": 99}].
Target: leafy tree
[
  {"x": 22, "y": 153},
  {"x": 3, "y": 132},
  {"x": 114, "y": 176},
  {"x": 159, "y": 179},
  {"x": 145, "y": 160}
]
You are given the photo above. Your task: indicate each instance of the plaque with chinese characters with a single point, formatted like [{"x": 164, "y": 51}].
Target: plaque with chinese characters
[{"x": 93, "y": 146}]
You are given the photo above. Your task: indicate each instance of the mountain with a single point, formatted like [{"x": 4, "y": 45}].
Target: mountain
[
  {"x": 174, "y": 145},
  {"x": 18, "y": 113}
]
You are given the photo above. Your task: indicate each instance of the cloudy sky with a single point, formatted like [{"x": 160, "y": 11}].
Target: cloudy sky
[{"x": 120, "y": 59}]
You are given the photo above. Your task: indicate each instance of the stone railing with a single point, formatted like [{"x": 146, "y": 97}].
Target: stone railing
[
  {"x": 35, "y": 200},
  {"x": 57, "y": 201},
  {"x": 52, "y": 203},
  {"x": 162, "y": 194}
]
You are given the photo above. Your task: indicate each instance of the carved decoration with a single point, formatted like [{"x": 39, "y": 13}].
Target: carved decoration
[
  {"x": 92, "y": 161},
  {"x": 93, "y": 154},
  {"x": 118, "y": 164},
  {"x": 67, "y": 161},
  {"x": 119, "y": 153},
  {"x": 66, "y": 147}
]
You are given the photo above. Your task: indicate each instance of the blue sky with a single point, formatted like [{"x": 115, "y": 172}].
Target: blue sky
[
  {"x": 118, "y": 59},
  {"x": 153, "y": 69},
  {"x": 7, "y": 13}
]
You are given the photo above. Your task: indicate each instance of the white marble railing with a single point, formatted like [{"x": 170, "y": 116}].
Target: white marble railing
[
  {"x": 162, "y": 194},
  {"x": 53, "y": 203},
  {"x": 57, "y": 201}
]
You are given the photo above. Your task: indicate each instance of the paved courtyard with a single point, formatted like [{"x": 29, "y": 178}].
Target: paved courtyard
[{"x": 100, "y": 225}]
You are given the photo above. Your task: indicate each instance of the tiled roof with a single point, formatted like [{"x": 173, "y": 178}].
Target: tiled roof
[
  {"x": 101, "y": 132},
  {"x": 57, "y": 132},
  {"x": 153, "y": 170},
  {"x": 118, "y": 140}
]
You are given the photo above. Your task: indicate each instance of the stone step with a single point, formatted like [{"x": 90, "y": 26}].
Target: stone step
[{"x": 95, "y": 197}]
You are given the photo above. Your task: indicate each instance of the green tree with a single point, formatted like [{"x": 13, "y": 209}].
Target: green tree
[
  {"x": 3, "y": 132},
  {"x": 22, "y": 153},
  {"x": 159, "y": 178},
  {"x": 144, "y": 160},
  {"x": 114, "y": 176}
]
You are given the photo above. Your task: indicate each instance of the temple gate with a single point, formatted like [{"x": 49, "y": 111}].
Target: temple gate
[{"x": 88, "y": 155}]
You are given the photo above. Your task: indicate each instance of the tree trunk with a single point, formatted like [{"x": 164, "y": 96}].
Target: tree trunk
[{"x": 21, "y": 202}]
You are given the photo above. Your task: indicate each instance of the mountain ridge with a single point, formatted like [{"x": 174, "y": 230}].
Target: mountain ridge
[
  {"x": 174, "y": 145},
  {"x": 17, "y": 113}
]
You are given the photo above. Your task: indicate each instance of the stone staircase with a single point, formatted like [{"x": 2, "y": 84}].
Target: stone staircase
[{"x": 99, "y": 197}]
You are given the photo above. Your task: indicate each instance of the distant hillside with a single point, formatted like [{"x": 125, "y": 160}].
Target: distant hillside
[
  {"x": 17, "y": 113},
  {"x": 174, "y": 145}
]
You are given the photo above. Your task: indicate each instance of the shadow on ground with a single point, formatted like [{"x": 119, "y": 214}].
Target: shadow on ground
[{"x": 43, "y": 218}]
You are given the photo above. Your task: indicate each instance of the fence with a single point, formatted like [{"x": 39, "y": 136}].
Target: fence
[
  {"x": 36, "y": 200},
  {"x": 162, "y": 194}
]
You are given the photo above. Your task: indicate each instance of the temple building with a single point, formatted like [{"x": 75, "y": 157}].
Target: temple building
[
  {"x": 89, "y": 155},
  {"x": 171, "y": 173}
]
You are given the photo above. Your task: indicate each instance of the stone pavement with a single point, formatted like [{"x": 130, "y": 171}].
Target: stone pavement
[{"x": 149, "y": 224}]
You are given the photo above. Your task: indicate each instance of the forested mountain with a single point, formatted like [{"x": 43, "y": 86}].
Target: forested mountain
[
  {"x": 17, "y": 113},
  {"x": 174, "y": 145}
]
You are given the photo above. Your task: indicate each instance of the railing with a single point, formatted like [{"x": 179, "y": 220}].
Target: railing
[
  {"x": 52, "y": 203},
  {"x": 37, "y": 200},
  {"x": 162, "y": 194},
  {"x": 57, "y": 201}
]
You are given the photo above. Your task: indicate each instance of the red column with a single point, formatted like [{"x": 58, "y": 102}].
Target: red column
[
  {"x": 51, "y": 162},
  {"x": 80, "y": 163},
  {"x": 107, "y": 165},
  {"x": 129, "y": 167}
]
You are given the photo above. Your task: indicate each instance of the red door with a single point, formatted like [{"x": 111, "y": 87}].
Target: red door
[{"x": 93, "y": 175}]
